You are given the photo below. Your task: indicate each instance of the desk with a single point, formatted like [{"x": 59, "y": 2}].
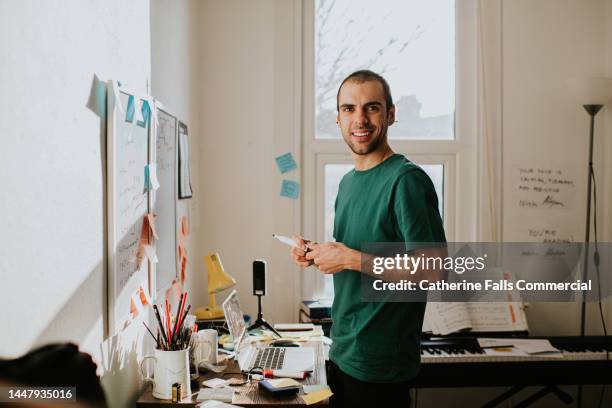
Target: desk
[{"x": 248, "y": 395}]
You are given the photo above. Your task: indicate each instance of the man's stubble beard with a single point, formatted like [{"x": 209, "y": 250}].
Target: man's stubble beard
[{"x": 374, "y": 144}]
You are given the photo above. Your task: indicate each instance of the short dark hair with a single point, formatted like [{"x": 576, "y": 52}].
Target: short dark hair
[{"x": 364, "y": 75}]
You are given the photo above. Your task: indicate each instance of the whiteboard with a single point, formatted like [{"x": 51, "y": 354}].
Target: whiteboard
[
  {"x": 164, "y": 199},
  {"x": 128, "y": 202}
]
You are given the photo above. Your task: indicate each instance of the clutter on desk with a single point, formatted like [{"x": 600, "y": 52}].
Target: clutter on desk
[
  {"x": 215, "y": 383},
  {"x": 172, "y": 337},
  {"x": 269, "y": 386},
  {"x": 215, "y": 404},
  {"x": 223, "y": 394},
  {"x": 283, "y": 382},
  {"x": 300, "y": 375},
  {"x": 309, "y": 389},
  {"x": 171, "y": 379},
  {"x": 316, "y": 396},
  {"x": 294, "y": 326}
]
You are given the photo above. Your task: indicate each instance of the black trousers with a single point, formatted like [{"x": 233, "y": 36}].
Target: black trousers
[{"x": 351, "y": 392}]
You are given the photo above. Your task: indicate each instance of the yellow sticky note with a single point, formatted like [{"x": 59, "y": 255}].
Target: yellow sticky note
[
  {"x": 283, "y": 382},
  {"x": 317, "y": 396}
]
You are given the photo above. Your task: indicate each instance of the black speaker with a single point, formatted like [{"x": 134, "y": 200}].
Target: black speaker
[{"x": 259, "y": 277}]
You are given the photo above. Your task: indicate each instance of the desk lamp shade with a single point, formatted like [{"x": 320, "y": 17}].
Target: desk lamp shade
[{"x": 218, "y": 280}]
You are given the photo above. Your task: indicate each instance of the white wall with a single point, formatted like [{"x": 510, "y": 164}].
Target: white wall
[
  {"x": 52, "y": 168},
  {"x": 544, "y": 124},
  {"x": 247, "y": 119}
]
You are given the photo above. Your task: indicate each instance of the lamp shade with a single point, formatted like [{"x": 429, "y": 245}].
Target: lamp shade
[
  {"x": 218, "y": 279},
  {"x": 591, "y": 90}
]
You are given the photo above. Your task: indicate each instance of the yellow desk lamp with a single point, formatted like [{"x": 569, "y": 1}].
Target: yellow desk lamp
[{"x": 218, "y": 280}]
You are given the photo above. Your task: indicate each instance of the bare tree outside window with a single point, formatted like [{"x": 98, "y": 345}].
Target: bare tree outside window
[{"x": 410, "y": 42}]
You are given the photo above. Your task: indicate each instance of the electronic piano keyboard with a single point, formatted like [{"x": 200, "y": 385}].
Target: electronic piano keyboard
[{"x": 461, "y": 362}]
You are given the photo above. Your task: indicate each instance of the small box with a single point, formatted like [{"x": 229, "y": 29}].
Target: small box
[{"x": 278, "y": 392}]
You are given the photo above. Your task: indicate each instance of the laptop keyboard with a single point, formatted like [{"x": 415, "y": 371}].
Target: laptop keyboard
[{"x": 268, "y": 358}]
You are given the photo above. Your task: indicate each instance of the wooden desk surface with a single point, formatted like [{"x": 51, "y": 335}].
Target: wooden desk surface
[{"x": 249, "y": 394}]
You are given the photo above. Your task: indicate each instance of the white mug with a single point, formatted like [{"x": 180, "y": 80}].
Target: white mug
[
  {"x": 170, "y": 367},
  {"x": 206, "y": 347}
]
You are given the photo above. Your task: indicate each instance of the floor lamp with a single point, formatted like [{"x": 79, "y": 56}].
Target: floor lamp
[{"x": 593, "y": 94}]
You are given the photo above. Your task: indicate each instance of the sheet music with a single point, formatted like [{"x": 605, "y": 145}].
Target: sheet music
[
  {"x": 496, "y": 316},
  {"x": 445, "y": 318}
]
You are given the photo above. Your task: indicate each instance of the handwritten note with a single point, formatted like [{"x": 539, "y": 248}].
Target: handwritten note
[
  {"x": 544, "y": 199},
  {"x": 544, "y": 189}
]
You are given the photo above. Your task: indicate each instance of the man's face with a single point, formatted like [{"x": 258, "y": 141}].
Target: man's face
[{"x": 362, "y": 115}]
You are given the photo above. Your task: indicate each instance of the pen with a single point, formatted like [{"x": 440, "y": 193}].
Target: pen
[
  {"x": 152, "y": 335},
  {"x": 300, "y": 375},
  {"x": 161, "y": 326},
  {"x": 178, "y": 314},
  {"x": 289, "y": 241}
]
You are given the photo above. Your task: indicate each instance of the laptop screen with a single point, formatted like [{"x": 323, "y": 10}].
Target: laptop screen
[{"x": 234, "y": 318}]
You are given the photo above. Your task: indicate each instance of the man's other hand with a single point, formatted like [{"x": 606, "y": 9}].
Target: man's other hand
[
  {"x": 332, "y": 257},
  {"x": 298, "y": 253}
]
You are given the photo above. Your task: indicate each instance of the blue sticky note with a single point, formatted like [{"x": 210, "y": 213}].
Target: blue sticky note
[
  {"x": 146, "y": 113},
  {"x": 286, "y": 163},
  {"x": 129, "y": 114},
  {"x": 147, "y": 180},
  {"x": 101, "y": 98},
  {"x": 290, "y": 189}
]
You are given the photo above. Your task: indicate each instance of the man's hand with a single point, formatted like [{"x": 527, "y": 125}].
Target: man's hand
[
  {"x": 298, "y": 254},
  {"x": 332, "y": 257}
]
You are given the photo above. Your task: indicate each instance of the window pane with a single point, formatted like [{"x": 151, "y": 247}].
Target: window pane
[
  {"x": 335, "y": 172},
  {"x": 410, "y": 42},
  {"x": 436, "y": 174},
  {"x": 333, "y": 175}
]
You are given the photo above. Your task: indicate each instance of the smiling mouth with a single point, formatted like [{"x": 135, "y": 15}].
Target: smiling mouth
[{"x": 361, "y": 134}]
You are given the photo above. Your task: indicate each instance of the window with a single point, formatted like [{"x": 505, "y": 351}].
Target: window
[
  {"x": 427, "y": 53},
  {"x": 411, "y": 43}
]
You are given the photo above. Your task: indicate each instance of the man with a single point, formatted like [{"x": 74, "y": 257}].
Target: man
[{"x": 386, "y": 198}]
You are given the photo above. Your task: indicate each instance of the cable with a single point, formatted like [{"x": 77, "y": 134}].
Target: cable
[{"x": 596, "y": 259}]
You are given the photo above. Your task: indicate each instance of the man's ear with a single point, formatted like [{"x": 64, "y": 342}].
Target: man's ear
[
  {"x": 391, "y": 115},
  {"x": 337, "y": 118}
]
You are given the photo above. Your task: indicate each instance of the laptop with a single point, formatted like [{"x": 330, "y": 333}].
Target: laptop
[{"x": 275, "y": 358}]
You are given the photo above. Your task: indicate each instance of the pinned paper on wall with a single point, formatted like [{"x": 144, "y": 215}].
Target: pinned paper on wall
[
  {"x": 153, "y": 176},
  {"x": 144, "y": 297},
  {"x": 150, "y": 178},
  {"x": 151, "y": 220},
  {"x": 177, "y": 290},
  {"x": 116, "y": 96},
  {"x": 129, "y": 114},
  {"x": 97, "y": 97},
  {"x": 144, "y": 245},
  {"x": 290, "y": 189},
  {"x": 150, "y": 252},
  {"x": 133, "y": 308},
  {"x": 285, "y": 162},
  {"x": 181, "y": 250},
  {"x": 183, "y": 269},
  {"x": 146, "y": 114},
  {"x": 169, "y": 294},
  {"x": 184, "y": 226},
  {"x": 183, "y": 232},
  {"x": 184, "y": 176}
]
